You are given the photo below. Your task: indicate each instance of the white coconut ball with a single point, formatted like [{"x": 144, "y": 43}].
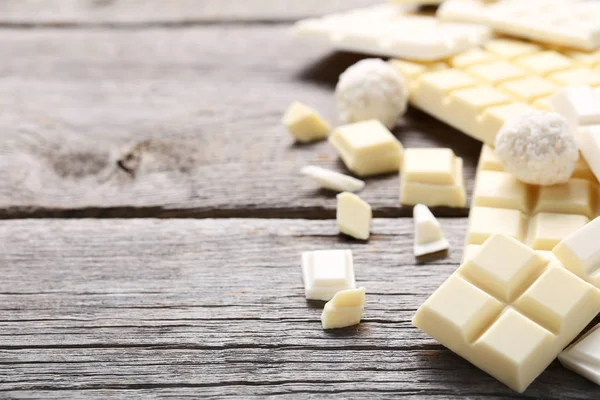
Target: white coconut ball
[
  {"x": 538, "y": 148},
  {"x": 371, "y": 89}
]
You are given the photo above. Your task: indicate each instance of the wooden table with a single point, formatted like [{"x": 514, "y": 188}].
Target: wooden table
[{"x": 154, "y": 216}]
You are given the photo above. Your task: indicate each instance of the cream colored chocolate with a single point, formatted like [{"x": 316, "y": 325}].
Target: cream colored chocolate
[
  {"x": 332, "y": 180},
  {"x": 589, "y": 137},
  {"x": 540, "y": 216},
  {"x": 580, "y": 252},
  {"x": 583, "y": 356},
  {"x": 367, "y": 148},
  {"x": 489, "y": 160},
  {"x": 391, "y": 30},
  {"x": 353, "y": 216},
  {"x": 580, "y": 105},
  {"x": 326, "y": 272},
  {"x": 501, "y": 190},
  {"x": 487, "y": 221},
  {"x": 472, "y": 249},
  {"x": 344, "y": 309},
  {"x": 433, "y": 177},
  {"x": 304, "y": 123},
  {"x": 509, "y": 311},
  {"x": 429, "y": 237},
  {"x": 546, "y": 230},
  {"x": 479, "y": 90},
  {"x": 573, "y": 23}
]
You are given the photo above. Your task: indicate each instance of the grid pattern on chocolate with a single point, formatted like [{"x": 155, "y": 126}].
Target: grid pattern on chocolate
[
  {"x": 491, "y": 299},
  {"x": 539, "y": 216},
  {"x": 478, "y": 90}
]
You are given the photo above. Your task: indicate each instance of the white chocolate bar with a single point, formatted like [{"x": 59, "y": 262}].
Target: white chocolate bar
[
  {"x": 433, "y": 177},
  {"x": 580, "y": 105},
  {"x": 572, "y": 23},
  {"x": 539, "y": 216},
  {"x": 326, "y": 272},
  {"x": 583, "y": 356},
  {"x": 509, "y": 311},
  {"x": 304, "y": 123},
  {"x": 353, "y": 216},
  {"x": 333, "y": 180},
  {"x": 392, "y": 31},
  {"x": 429, "y": 237},
  {"x": 344, "y": 309},
  {"x": 580, "y": 252},
  {"x": 477, "y": 91},
  {"x": 367, "y": 148}
]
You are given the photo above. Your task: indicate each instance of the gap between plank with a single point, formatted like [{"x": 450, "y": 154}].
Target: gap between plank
[{"x": 164, "y": 213}]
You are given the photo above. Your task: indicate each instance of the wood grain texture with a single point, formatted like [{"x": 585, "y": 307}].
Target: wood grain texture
[
  {"x": 215, "y": 308},
  {"x": 115, "y": 13},
  {"x": 176, "y": 122}
]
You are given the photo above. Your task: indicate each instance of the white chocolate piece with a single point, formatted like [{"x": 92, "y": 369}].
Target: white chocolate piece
[
  {"x": 580, "y": 105},
  {"x": 487, "y": 221},
  {"x": 511, "y": 49},
  {"x": 577, "y": 196},
  {"x": 583, "y": 356},
  {"x": 304, "y": 123},
  {"x": 589, "y": 139},
  {"x": 509, "y": 311},
  {"x": 546, "y": 230},
  {"x": 389, "y": 30},
  {"x": 333, "y": 180},
  {"x": 429, "y": 237},
  {"x": 564, "y": 23},
  {"x": 353, "y": 216},
  {"x": 489, "y": 160},
  {"x": 435, "y": 166},
  {"x": 326, "y": 272},
  {"x": 580, "y": 252},
  {"x": 344, "y": 309},
  {"x": 501, "y": 190},
  {"x": 479, "y": 90},
  {"x": 433, "y": 177},
  {"x": 367, "y": 148}
]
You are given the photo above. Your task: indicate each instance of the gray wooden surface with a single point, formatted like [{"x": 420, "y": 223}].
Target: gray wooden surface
[
  {"x": 114, "y": 114},
  {"x": 216, "y": 307},
  {"x": 115, "y": 13},
  {"x": 176, "y": 122}
]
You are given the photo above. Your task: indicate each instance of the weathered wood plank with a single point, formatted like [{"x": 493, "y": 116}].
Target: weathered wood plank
[
  {"x": 129, "y": 308},
  {"x": 172, "y": 12},
  {"x": 175, "y": 122}
]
